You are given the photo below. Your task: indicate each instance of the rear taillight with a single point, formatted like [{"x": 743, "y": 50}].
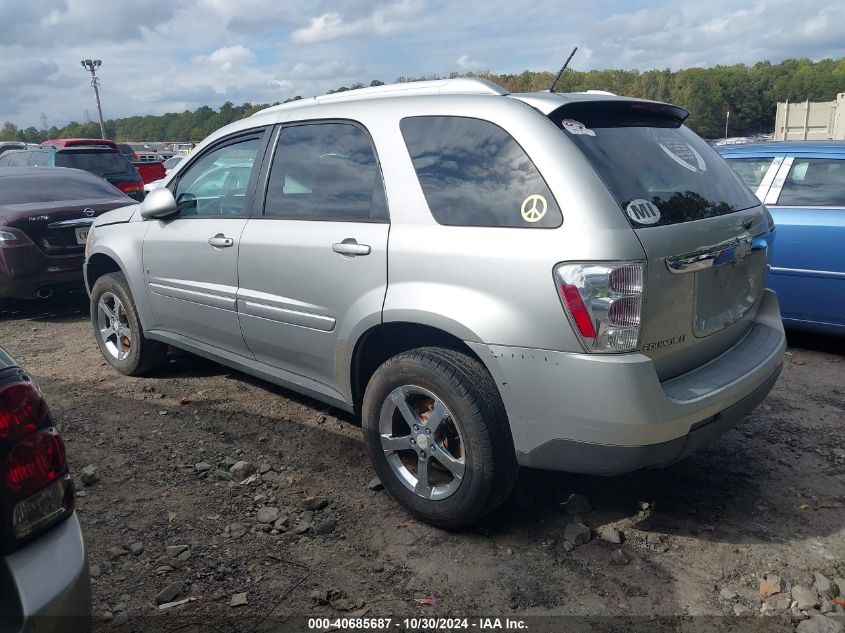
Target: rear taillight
[
  {"x": 35, "y": 488},
  {"x": 604, "y": 303},
  {"x": 22, "y": 410},
  {"x": 12, "y": 237},
  {"x": 129, "y": 186},
  {"x": 35, "y": 462}
]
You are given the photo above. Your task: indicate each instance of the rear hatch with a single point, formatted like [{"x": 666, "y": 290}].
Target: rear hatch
[
  {"x": 54, "y": 209},
  {"x": 705, "y": 235}
]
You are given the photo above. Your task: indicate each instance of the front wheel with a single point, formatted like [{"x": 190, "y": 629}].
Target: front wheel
[
  {"x": 118, "y": 330},
  {"x": 438, "y": 436}
]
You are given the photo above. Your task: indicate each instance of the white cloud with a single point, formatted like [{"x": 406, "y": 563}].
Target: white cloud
[
  {"x": 230, "y": 58},
  {"x": 383, "y": 21},
  {"x": 464, "y": 62}
]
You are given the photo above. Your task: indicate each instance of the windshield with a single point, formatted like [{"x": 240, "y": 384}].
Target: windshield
[
  {"x": 104, "y": 163},
  {"x": 54, "y": 187},
  {"x": 659, "y": 171}
]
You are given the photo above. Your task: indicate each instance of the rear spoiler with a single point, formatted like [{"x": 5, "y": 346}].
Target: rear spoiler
[{"x": 621, "y": 113}]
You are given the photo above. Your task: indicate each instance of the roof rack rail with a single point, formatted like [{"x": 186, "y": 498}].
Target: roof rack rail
[{"x": 459, "y": 85}]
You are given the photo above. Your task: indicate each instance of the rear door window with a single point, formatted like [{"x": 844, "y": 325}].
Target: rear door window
[
  {"x": 325, "y": 171},
  {"x": 814, "y": 182},
  {"x": 473, "y": 173},
  {"x": 659, "y": 171},
  {"x": 751, "y": 170}
]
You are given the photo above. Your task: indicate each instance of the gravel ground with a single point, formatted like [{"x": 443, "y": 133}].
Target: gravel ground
[{"x": 763, "y": 504}]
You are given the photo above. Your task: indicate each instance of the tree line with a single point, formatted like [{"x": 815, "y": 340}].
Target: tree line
[{"x": 750, "y": 93}]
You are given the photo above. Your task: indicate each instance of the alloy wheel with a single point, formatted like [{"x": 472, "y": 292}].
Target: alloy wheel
[
  {"x": 422, "y": 442},
  {"x": 113, "y": 324}
]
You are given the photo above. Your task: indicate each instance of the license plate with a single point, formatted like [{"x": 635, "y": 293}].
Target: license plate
[{"x": 82, "y": 235}]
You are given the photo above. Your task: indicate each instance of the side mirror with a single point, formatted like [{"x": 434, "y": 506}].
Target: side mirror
[{"x": 159, "y": 203}]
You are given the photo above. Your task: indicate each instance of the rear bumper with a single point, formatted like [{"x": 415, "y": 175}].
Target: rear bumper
[
  {"x": 50, "y": 586},
  {"x": 610, "y": 414},
  {"x": 24, "y": 270}
]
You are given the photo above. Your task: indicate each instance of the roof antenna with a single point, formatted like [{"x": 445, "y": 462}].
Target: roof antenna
[{"x": 565, "y": 64}]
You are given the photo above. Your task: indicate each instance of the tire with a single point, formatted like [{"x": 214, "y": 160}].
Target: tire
[
  {"x": 473, "y": 436},
  {"x": 140, "y": 355}
]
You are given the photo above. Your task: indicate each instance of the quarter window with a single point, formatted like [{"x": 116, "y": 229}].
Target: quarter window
[
  {"x": 473, "y": 173},
  {"x": 216, "y": 183},
  {"x": 325, "y": 171},
  {"x": 814, "y": 182}
]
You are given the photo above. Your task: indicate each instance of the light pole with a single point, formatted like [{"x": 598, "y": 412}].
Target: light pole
[
  {"x": 91, "y": 65},
  {"x": 727, "y": 118}
]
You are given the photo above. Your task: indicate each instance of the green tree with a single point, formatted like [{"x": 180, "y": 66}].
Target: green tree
[{"x": 9, "y": 132}]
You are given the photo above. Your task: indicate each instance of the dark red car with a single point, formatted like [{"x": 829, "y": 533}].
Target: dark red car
[{"x": 45, "y": 213}]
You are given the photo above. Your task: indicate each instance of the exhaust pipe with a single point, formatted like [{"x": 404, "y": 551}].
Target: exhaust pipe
[{"x": 44, "y": 293}]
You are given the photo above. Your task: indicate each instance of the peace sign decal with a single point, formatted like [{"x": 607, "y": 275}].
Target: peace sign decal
[{"x": 534, "y": 208}]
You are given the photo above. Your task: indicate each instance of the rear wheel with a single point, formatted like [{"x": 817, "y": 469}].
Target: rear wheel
[
  {"x": 438, "y": 436},
  {"x": 118, "y": 330}
]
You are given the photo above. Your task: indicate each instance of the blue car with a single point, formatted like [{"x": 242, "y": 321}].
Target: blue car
[{"x": 803, "y": 185}]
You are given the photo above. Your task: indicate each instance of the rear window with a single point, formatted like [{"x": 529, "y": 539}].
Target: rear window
[
  {"x": 102, "y": 163},
  {"x": 53, "y": 187},
  {"x": 814, "y": 182},
  {"x": 659, "y": 171}
]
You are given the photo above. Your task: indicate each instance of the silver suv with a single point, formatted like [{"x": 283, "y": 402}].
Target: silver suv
[{"x": 559, "y": 281}]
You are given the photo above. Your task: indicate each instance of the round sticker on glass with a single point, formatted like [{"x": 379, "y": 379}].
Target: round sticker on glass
[
  {"x": 534, "y": 208},
  {"x": 643, "y": 211},
  {"x": 576, "y": 127}
]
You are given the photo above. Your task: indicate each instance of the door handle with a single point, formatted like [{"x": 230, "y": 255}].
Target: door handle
[
  {"x": 350, "y": 247},
  {"x": 220, "y": 241}
]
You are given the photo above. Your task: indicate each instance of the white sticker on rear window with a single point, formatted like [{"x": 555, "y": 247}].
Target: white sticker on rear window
[
  {"x": 643, "y": 211},
  {"x": 679, "y": 151},
  {"x": 576, "y": 127}
]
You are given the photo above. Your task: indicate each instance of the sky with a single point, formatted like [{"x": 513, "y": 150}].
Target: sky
[{"x": 172, "y": 55}]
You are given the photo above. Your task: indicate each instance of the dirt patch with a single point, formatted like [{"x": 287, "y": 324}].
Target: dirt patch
[{"x": 697, "y": 537}]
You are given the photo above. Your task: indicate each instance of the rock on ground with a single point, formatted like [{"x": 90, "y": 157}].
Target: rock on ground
[
  {"x": 577, "y": 533},
  {"x": 314, "y": 503},
  {"x": 820, "y": 624},
  {"x": 89, "y": 475},
  {"x": 169, "y": 593},
  {"x": 267, "y": 514},
  {"x": 805, "y": 597},
  {"x": 612, "y": 535}
]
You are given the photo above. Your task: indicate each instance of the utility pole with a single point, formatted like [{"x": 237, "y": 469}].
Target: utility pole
[
  {"x": 91, "y": 65},
  {"x": 727, "y": 118}
]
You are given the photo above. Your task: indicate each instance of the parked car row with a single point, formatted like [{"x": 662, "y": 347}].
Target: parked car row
[
  {"x": 45, "y": 214},
  {"x": 636, "y": 255},
  {"x": 104, "y": 161}
]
